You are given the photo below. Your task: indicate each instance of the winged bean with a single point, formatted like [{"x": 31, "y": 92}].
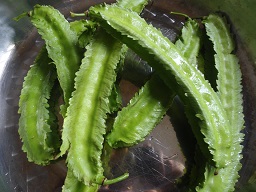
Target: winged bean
[
  {"x": 61, "y": 43},
  {"x": 143, "y": 113},
  {"x": 147, "y": 108},
  {"x": 229, "y": 73},
  {"x": 36, "y": 131},
  {"x": 88, "y": 101},
  {"x": 161, "y": 54},
  {"x": 229, "y": 91},
  {"x": 218, "y": 115}
]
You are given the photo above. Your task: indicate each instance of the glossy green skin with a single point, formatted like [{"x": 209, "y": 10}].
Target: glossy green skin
[
  {"x": 229, "y": 73},
  {"x": 136, "y": 6},
  {"x": 61, "y": 45},
  {"x": 190, "y": 44},
  {"x": 83, "y": 133},
  {"x": 161, "y": 54},
  {"x": 229, "y": 91},
  {"x": 134, "y": 122},
  {"x": 43, "y": 148},
  {"x": 147, "y": 108},
  {"x": 35, "y": 123}
]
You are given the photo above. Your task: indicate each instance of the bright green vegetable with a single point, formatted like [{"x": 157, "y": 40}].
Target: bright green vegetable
[
  {"x": 229, "y": 91},
  {"x": 229, "y": 73},
  {"x": 40, "y": 113},
  {"x": 142, "y": 114},
  {"x": 40, "y": 141},
  {"x": 72, "y": 184},
  {"x": 147, "y": 108},
  {"x": 169, "y": 63},
  {"x": 82, "y": 133},
  {"x": 216, "y": 118},
  {"x": 190, "y": 45},
  {"x": 84, "y": 125},
  {"x": 61, "y": 44}
]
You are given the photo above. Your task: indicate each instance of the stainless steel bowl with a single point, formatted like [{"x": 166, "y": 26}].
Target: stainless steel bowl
[{"x": 155, "y": 164}]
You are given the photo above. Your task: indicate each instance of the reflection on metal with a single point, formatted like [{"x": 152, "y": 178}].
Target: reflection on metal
[
  {"x": 4, "y": 57},
  {"x": 6, "y": 38},
  {"x": 149, "y": 170}
]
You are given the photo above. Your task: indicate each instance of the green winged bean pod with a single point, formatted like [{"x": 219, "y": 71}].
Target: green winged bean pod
[
  {"x": 84, "y": 125},
  {"x": 82, "y": 132},
  {"x": 190, "y": 44},
  {"x": 61, "y": 44},
  {"x": 40, "y": 142},
  {"x": 170, "y": 64},
  {"x": 46, "y": 140},
  {"x": 230, "y": 93},
  {"x": 135, "y": 121},
  {"x": 229, "y": 73}
]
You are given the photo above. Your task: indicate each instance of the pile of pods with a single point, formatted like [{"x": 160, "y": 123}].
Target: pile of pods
[{"x": 80, "y": 62}]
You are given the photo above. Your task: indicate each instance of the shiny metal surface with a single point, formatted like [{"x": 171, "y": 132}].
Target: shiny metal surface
[{"x": 155, "y": 164}]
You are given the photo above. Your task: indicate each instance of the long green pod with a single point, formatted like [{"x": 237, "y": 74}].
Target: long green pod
[
  {"x": 190, "y": 45},
  {"x": 84, "y": 126},
  {"x": 72, "y": 184},
  {"x": 134, "y": 122},
  {"x": 151, "y": 45},
  {"x": 229, "y": 73},
  {"x": 61, "y": 44},
  {"x": 230, "y": 93},
  {"x": 35, "y": 123},
  {"x": 50, "y": 139}
]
